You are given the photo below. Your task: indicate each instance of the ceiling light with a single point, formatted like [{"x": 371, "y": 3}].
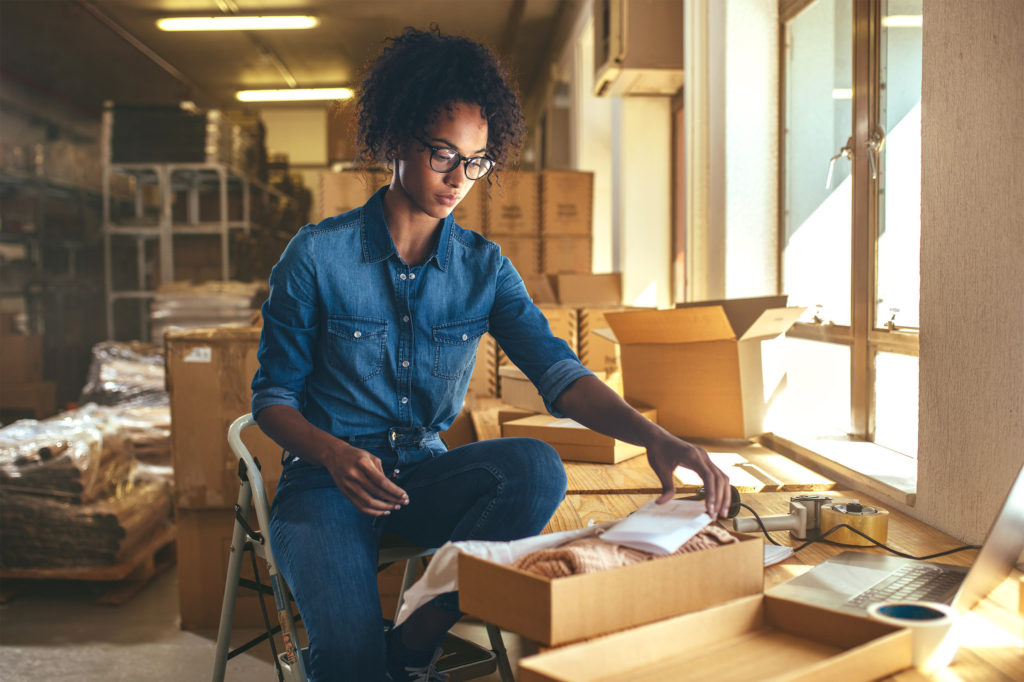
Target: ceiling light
[
  {"x": 293, "y": 94},
  {"x": 902, "y": 21},
  {"x": 234, "y": 23}
]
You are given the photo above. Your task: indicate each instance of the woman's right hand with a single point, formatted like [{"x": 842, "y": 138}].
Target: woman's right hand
[
  {"x": 360, "y": 477},
  {"x": 358, "y": 474}
]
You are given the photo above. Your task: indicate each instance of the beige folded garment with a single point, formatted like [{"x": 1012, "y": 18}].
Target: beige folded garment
[{"x": 592, "y": 554}]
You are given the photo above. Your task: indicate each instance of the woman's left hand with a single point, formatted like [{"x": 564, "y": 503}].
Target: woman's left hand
[{"x": 669, "y": 452}]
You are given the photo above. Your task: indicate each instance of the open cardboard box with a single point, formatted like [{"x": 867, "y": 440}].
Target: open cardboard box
[
  {"x": 701, "y": 365},
  {"x": 555, "y": 611},
  {"x": 576, "y": 289},
  {"x": 573, "y": 441},
  {"x": 752, "y": 638}
]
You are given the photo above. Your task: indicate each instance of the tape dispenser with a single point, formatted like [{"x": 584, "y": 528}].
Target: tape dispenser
[{"x": 811, "y": 516}]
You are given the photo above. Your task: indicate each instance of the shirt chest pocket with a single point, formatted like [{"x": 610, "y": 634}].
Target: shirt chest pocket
[
  {"x": 357, "y": 345},
  {"x": 455, "y": 346}
]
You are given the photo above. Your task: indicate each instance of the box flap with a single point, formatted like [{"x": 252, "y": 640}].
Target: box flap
[
  {"x": 742, "y": 312},
  {"x": 680, "y": 325},
  {"x": 773, "y": 322},
  {"x": 511, "y": 371},
  {"x": 540, "y": 288},
  {"x": 588, "y": 289}
]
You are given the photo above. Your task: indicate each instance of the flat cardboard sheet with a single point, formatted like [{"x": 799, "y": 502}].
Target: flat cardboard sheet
[{"x": 751, "y": 638}]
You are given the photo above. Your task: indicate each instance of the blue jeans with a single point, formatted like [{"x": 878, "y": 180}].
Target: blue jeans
[{"x": 502, "y": 489}]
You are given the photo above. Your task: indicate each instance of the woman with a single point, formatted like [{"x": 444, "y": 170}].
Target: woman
[{"x": 369, "y": 338}]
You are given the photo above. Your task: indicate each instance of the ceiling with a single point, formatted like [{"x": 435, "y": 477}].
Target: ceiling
[{"x": 85, "y": 52}]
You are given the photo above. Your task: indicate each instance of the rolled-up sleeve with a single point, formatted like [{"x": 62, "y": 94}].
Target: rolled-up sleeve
[
  {"x": 525, "y": 335},
  {"x": 290, "y": 328}
]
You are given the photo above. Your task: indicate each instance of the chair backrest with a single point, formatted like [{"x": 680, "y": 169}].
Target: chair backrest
[{"x": 252, "y": 474}]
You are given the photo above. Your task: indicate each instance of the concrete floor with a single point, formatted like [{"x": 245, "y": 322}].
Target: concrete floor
[{"x": 56, "y": 631}]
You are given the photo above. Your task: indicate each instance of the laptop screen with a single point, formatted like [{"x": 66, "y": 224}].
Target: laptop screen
[{"x": 1002, "y": 549}]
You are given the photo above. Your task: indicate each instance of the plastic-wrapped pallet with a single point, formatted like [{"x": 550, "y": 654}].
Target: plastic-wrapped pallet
[{"x": 181, "y": 305}]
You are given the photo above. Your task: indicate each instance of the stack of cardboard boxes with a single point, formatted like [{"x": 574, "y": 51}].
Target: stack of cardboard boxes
[
  {"x": 209, "y": 372},
  {"x": 24, "y": 392}
]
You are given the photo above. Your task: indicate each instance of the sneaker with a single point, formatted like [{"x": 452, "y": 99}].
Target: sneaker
[{"x": 412, "y": 673}]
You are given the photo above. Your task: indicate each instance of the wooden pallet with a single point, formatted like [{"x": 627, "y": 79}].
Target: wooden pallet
[{"x": 127, "y": 577}]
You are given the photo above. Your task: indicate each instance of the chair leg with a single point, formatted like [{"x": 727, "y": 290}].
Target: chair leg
[
  {"x": 498, "y": 645},
  {"x": 227, "y": 611},
  {"x": 408, "y": 578}
]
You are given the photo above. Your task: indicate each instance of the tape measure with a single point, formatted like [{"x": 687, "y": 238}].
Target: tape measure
[{"x": 871, "y": 521}]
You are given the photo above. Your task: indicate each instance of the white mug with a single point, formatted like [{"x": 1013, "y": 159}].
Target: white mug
[{"x": 933, "y": 626}]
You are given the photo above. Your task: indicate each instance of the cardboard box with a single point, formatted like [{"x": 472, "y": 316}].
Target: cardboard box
[
  {"x": 35, "y": 398},
  {"x": 204, "y": 541},
  {"x": 484, "y": 379},
  {"x": 597, "y": 351},
  {"x": 471, "y": 213},
  {"x": 753, "y": 638},
  {"x": 460, "y": 432},
  {"x": 701, "y": 365},
  {"x": 524, "y": 252},
  {"x": 514, "y": 205},
  {"x": 562, "y": 610},
  {"x": 576, "y": 289},
  {"x": 566, "y": 203},
  {"x": 561, "y": 254},
  {"x": 21, "y": 358},
  {"x": 343, "y": 191},
  {"x": 518, "y": 391},
  {"x": 573, "y": 441},
  {"x": 209, "y": 373}
]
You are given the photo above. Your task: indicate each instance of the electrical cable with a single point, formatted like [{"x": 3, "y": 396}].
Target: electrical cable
[{"x": 860, "y": 533}]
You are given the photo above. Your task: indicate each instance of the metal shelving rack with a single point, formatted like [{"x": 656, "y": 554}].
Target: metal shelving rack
[{"x": 156, "y": 186}]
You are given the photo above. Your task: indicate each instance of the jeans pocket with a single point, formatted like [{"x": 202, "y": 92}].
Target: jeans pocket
[
  {"x": 358, "y": 345},
  {"x": 455, "y": 346}
]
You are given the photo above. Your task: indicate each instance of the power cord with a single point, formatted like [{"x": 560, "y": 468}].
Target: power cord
[{"x": 858, "y": 532}]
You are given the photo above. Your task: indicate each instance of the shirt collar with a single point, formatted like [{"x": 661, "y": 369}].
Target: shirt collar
[{"x": 377, "y": 243}]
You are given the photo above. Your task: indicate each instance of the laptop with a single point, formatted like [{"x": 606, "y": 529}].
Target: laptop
[{"x": 851, "y": 581}]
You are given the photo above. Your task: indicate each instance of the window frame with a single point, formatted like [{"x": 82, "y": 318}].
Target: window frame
[{"x": 864, "y": 335}]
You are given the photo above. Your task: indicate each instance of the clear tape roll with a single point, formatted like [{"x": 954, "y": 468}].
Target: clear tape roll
[{"x": 871, "y": 521}]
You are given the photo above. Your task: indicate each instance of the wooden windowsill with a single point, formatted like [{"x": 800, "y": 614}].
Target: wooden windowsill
[{"x": 857, "y": 464}]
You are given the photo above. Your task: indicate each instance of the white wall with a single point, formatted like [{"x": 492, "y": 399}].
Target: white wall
[
  {"x": 731, "y": 104},
  {"x": 301, "y": 133},
  {"x": 971, "y": 420}
]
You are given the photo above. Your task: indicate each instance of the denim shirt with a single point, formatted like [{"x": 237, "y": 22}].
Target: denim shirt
[{"x": 359, "y": 341}]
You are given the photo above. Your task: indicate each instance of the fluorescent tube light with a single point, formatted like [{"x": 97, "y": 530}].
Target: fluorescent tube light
[
  {"x": 902, "y": 21},
  {"x": 233, "y": 23},
  {"x": 293, "y": 94}
]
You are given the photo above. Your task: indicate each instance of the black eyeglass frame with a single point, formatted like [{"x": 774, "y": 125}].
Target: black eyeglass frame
[{"x": 459, "y": 160}]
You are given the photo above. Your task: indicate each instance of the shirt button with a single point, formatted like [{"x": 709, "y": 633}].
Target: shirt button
[
  {"x": 402, "y": 276},
  {"x": 404, "y": 400},
  {"x": 357, "y": 334},
  {"x": 405, "y": 363},
  {"x": 412, "y": 275},
  {"x": 465, "y": 337},
  {"x": 405, "y": 318}
]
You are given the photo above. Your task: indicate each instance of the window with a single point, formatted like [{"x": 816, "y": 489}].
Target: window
[{"x": 850, "y": 224}]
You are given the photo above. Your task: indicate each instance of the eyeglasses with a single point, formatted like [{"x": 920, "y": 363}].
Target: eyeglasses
[{"x": 446, "y": 159}]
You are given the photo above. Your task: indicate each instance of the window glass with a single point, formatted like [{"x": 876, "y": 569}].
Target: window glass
[
  {"x": 899, "y": 183},
  {"x": 816, "y": 398},
  {"x": 819, "y": 91},
  {"x": 896, "y": 402}
]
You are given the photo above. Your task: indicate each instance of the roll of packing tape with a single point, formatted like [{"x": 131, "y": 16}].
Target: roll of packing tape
[{"x": 871, "y": 521}]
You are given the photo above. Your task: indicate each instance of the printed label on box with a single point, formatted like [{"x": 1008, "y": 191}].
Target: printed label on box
[{"x": 200, "y": 354}]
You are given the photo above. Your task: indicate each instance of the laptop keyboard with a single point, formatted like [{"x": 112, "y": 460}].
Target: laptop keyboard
[{"x": 912, "y": 582}]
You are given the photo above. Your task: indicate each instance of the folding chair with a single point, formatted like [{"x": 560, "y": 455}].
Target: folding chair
[{"x": 463, "y": 659}]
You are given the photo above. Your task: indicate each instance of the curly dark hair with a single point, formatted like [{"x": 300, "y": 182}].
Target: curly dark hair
[{"x": 420, "y": 73}]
